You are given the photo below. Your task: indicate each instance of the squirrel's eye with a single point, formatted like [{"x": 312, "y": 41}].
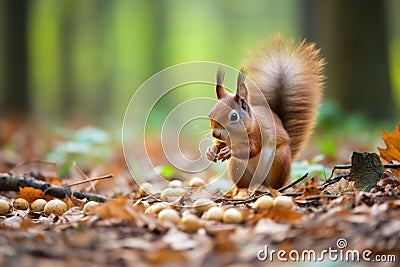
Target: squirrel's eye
[{"x": 234, "y": 116}]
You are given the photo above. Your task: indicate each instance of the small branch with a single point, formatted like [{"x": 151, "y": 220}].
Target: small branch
[
  {"x": 348, "y": 166},
  {"x": 339, "y": 167},
  {"x": 253, "y": 198},
  {"x": 391, "y": 166},
  {"x": 333, "y": 180},
  {"x": 107, "y": 176},
  {"x": 10, "y": 182},
  {"x": 317, "y": 197},
  {"x": 282, "y": 189}
]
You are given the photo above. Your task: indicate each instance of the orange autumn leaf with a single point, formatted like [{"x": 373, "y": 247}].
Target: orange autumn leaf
[
  {"x": 31, "y": 194},
  {"x": 165, "y": 255},
  {"x": 392, "y": 151},
  {"x": 119, "y": 208},
  {"x": 392, "y": 141},
  {"x": 276, "y": 214},
  {"x": 310, "y": 189}
]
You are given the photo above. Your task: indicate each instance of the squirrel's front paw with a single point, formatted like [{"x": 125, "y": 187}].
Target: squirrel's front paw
[
  {"x": 211, "y": 153},
  {"x": 225, "y": 153}
]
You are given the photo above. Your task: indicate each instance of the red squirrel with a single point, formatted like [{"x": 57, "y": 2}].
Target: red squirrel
[{"x": 291, "y": 79}]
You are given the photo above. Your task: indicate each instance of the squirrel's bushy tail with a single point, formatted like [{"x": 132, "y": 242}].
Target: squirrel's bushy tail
[{"x": 291, "y": 78}]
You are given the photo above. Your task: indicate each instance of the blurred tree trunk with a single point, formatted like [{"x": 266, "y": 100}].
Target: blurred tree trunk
[
  {"x": 353, "y": 37},
  {"x": 159, "y": 32},
  {"x": 17, "y": 96},
  {"x": 66, "y": 27}
]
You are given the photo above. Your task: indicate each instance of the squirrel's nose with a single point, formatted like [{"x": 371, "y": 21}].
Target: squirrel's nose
[{"x": 216, "y": 134}]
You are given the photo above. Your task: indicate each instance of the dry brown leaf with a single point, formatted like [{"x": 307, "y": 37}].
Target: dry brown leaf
[
  {"x": 277, "y": 214},
  {"x": 389, "y": 178},
  {"x": 271, "y": 228},
  {"x": 310, "y": 189},
  {"x": 165, "y": 255},
  {"x": 274, "y": 193},
  {"x": 392, "y": 151},
  {"x": 119, "y": 208}
]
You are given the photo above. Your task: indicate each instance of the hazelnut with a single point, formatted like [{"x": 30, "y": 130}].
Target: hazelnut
[
  {"x": 156, "y": 208},
  {"x": 38, "y": 205},
  {"x": 190, "y": 223},
  {"x": 145, "y": 189},
  {"x": 90, "y": 206},
  {"x": 168, "y": 215},
  {"x": 202, "y": 204},
  {"x": 232, "y": 215},
  {"x": 175, "y": 183},
  {"x": 4, "y": 207},
  {"x": 215, "y": 213},
  {"x": 196, "y": 182},
  {"x": 283, "y": 202},
  {"x": 263, "y": 203},
  {"x": 21, "y": 204},
  {"x": 55, "y": 206},
  {"x": 172, "y": 194}
]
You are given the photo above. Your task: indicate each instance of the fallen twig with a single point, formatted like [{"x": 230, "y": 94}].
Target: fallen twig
[
  {"x": 108, "y": 176},
  {"x": 348, "y": 166},
  {"x": 339, "y": 167},
  {"x": 333, "y": 180},
  {"x": 255, "y": 197},
  {"x": 391, "y": 166},
  {"x": 282, "y": 189},
  {"x": 10, "y": 182}
]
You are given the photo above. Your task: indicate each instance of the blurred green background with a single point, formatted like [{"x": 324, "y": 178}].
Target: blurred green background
[{"x": 83, "y": 60}]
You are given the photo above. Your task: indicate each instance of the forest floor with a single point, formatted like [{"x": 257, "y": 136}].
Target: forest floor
[{"x": 344, "y": 220}]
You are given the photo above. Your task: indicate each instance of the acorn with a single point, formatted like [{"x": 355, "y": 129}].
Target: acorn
[
  {"x": 156, "y": 208},
  {"x": 145, "y": 189},
  {"x": 168, "y": 215},
  {"x": 172, "y": 194},
  {"x": 175, "y": 184},
  {"x": 55, "y": 206},
  {"x": 232, "y": 215},
  {"x": 283, "y": 202},
  {"x": 263, "y": 203},
  {"x": 215, "y": 213},
  {"x": 202, "y": 204},
  {"x": 190, "y": 223},
  {"x": 4, "y": 207},
  {"x": 90, "y": 205},
  {"x": 196, "y": 182},
  {"x": 38, "y": 205},
  {"x": 21, "y": 204}
]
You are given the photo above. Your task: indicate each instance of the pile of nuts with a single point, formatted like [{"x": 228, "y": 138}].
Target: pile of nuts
[
  {"x": 189, "y": 219},
  {"x": 54, "y": 206},
  {"x": 203, "y": 209}
]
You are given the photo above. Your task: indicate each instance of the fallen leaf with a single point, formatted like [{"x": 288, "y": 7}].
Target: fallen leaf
[
  {"x": 119, "y": 208},
  {"x": 310, "y": 189},
  {"x": 31, "y": 194},
  {"x": 271, "y": 228},
  {"x": 274, "y": 192},
  {"x": 389, "y": 178},
  {"x": 165, "y": 255},
  {"x": 392, "y": 141},
  {"x": 392, "y": 151},
  {"x": 179, "y": 240},
  {"x": 277, "y": 214}
]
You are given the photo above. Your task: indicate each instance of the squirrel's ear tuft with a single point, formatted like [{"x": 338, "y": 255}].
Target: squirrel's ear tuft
[
  {"x": 241, "y": 89},
  {"x": 220, "y": 80}
]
